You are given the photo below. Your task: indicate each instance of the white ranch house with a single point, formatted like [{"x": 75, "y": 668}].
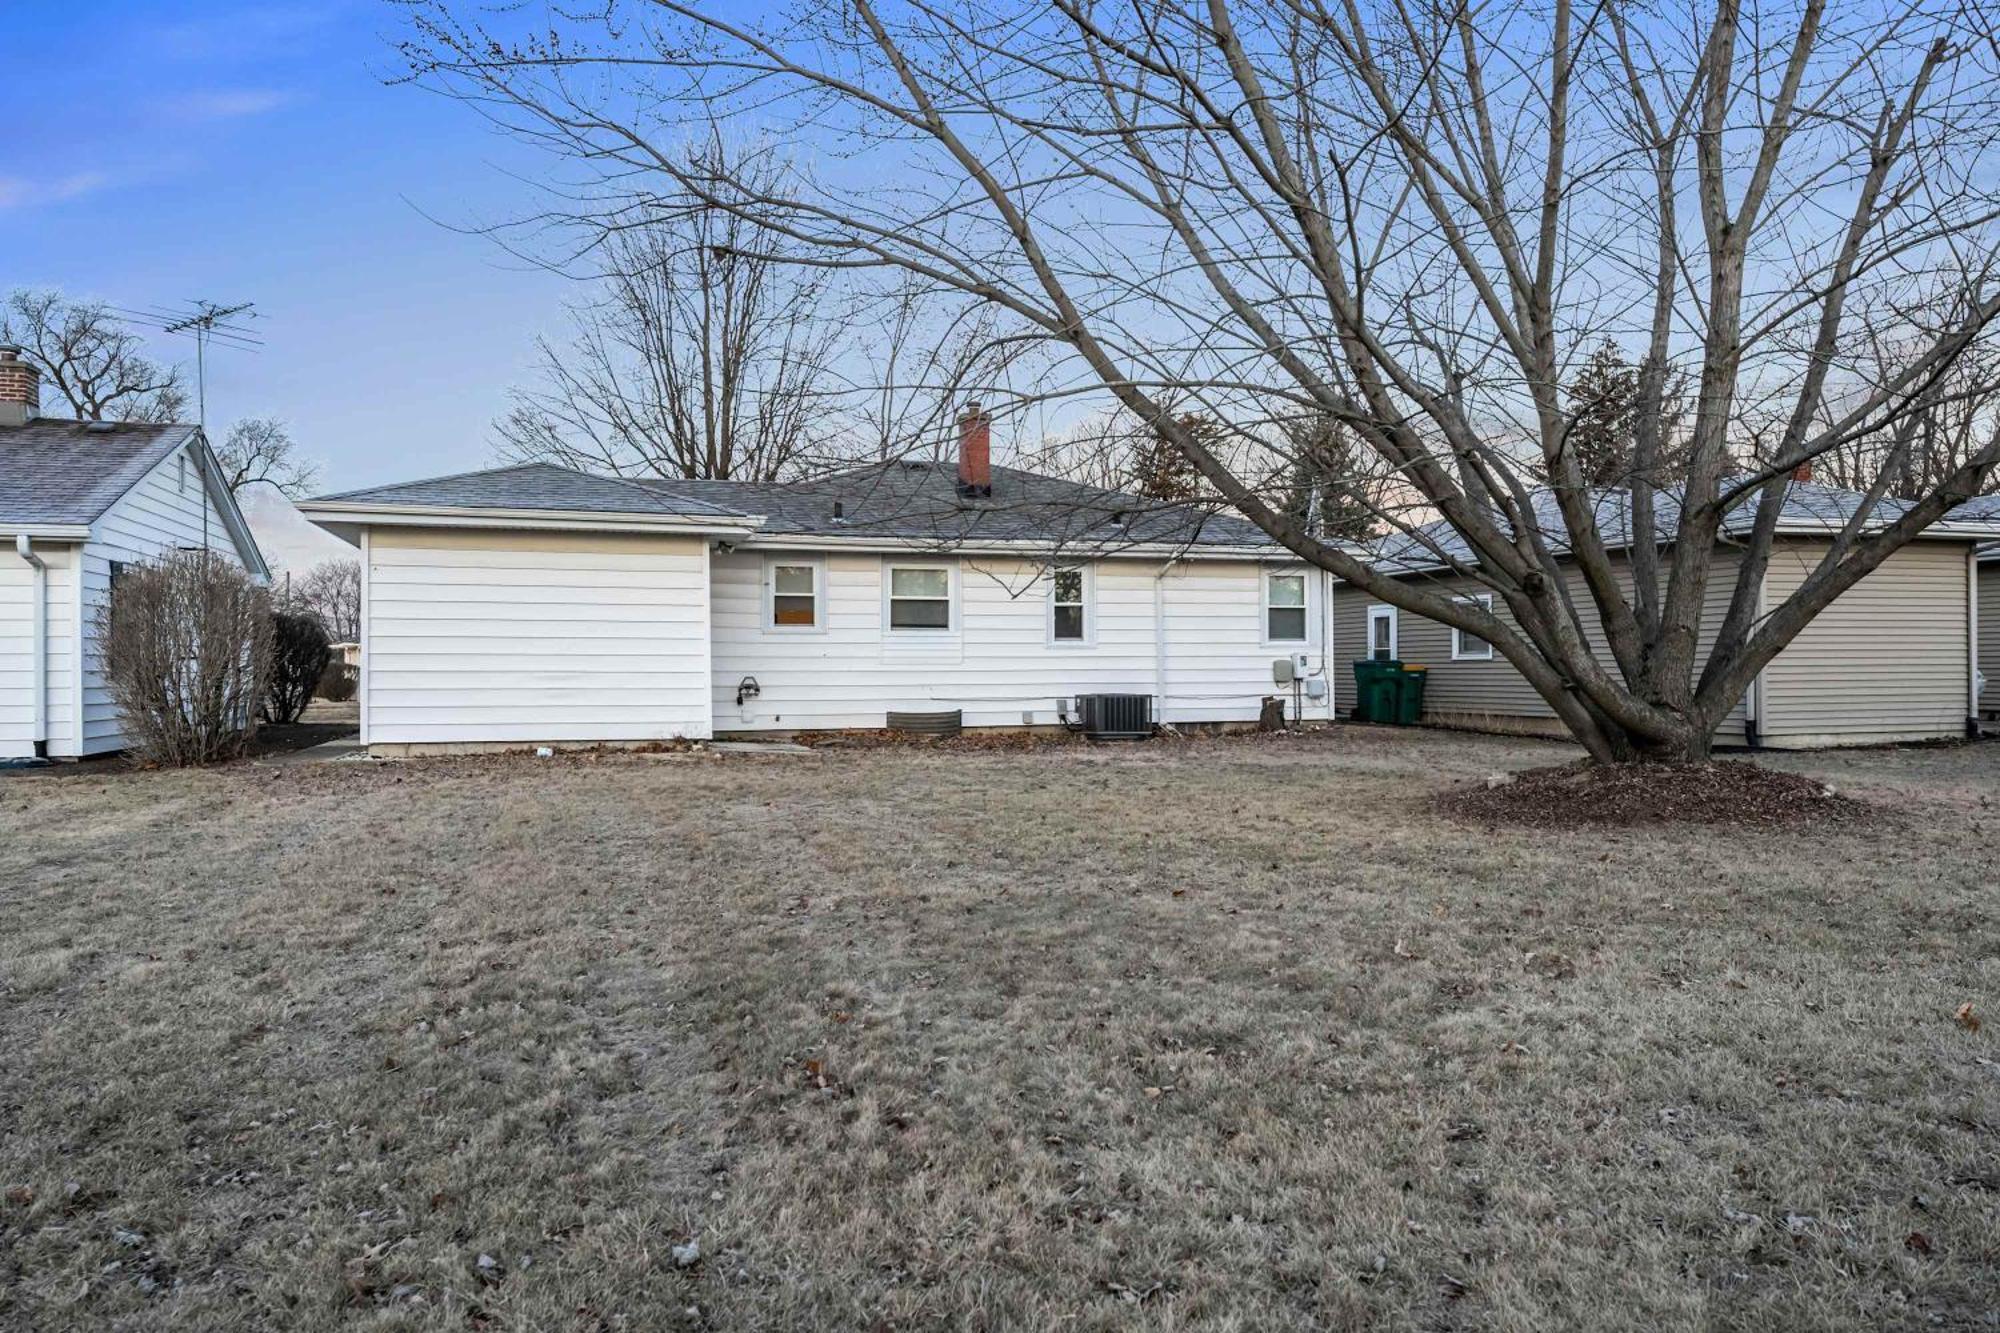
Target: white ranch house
[
  {"x": 536, "y": 605},
  {"x": 79, "y": 500}
]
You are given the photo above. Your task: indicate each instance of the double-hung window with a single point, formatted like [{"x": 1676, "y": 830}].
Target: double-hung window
[
  {"x": 1285, "y": 608},
  {"x": 1068, "y": 604},
  {"x": 1470, "y": 647},
  {"x": 920, "y": 598},
  {"x": 795, "y": 595}
]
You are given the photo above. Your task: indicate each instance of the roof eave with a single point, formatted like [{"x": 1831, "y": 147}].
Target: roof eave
[
  {"x": 54, "y": 532},
  {"x": 328, "y": 514},
  {"x": 812, "y": 541}
]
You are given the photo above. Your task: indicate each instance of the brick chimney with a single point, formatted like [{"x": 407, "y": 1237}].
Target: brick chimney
[
  {"x": 975, "y": 453},
  {"x": 20, "y": 388}
]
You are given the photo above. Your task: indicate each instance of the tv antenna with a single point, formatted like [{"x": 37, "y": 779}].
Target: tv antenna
[{"x": 205, "y": 322}]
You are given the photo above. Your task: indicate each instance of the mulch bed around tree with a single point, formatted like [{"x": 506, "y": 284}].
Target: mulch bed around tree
[{"x": 1627, "y": 795}]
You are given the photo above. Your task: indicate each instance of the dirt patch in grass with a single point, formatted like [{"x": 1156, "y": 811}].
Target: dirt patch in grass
[
  {"x": 1008, "y": 740},
  {"x": 1583, "y": 794}
]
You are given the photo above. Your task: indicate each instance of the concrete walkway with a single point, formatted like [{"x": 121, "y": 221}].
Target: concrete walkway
[{"x": 344, "y": 747}]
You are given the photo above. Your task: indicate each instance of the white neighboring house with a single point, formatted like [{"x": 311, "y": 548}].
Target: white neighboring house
[
  {"x": 79, "y": 500},
  {"x": 533, "y": 604}
]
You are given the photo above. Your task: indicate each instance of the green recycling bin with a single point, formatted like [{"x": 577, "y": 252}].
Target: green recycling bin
[
  {"x": 1410, "y": 695},
  {"x": 1376, "y": 684}
]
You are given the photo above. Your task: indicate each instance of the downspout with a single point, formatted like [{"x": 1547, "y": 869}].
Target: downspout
[
  {"x": 1160, "y": 640},
  {"x": 40, "y": 637},
  {"x": 1753, "y": 698},
  {"x": 1972, "y": 728}
]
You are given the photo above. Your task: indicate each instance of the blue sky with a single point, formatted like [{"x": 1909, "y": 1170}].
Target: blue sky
[{"x": 154, "y": 153}]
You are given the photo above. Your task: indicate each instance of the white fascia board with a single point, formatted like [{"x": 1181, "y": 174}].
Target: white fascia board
[
  {"x": 54, "y": 532},
  {"x": 216, "y": 488},
  {"x": 330, "y": 515},
  {"x": 1935, "y": 532},
  {"x": 1954, "y": 531},
  {"x": 948, "y": 550}
]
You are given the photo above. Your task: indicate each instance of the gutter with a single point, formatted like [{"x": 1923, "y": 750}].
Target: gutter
[
  {"x": 1973, "y": 681},
  {"x": 1034, "y": 548},
  {"x": 24, "y": 547},
  {"x": 1160, "y": 640},
  {"x": 441, "y": 516}
]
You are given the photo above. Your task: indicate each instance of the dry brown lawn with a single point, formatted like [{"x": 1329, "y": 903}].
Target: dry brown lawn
[{"x": 1224, "y": 1035}]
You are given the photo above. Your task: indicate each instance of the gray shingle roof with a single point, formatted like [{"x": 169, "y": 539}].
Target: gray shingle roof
[
  {"x": 902, "y": 501},
  {"x": 917, "y": 501},
  {"x": 55, "y": 472},
  {"x": 533, "y": 486},
  {"x": 1806, "y": 505}
]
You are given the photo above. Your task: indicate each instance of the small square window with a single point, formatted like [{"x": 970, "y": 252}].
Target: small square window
[
  {"x": 1467, "y": 647},
  {"x": 919, "y": 598},
  {"x": 1285, "y": 608},
  {"x": 795, "y": 596}
]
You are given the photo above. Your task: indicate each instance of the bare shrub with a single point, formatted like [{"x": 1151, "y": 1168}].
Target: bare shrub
[
  {"x": 300, "y": 653},
  {"x": 186, "y": 643},
  {"x": 339, "y": 682}
]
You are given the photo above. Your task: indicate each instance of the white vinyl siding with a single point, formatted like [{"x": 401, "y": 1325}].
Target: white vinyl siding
[
  {"x": 999, "y": 664},
  {"x": 517, "y": 637},
  {"x": 1889, "y": 660},
  {"x": 17, "y": 651}
]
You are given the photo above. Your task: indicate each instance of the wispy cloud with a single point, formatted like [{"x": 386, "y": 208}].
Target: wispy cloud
[
  {"x": 241, "y": 31},
  {"x": 225, "y": 103},
  {"x": 27, "y": 192}
]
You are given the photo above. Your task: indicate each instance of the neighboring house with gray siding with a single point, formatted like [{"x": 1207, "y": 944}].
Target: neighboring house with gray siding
[
  {"x": 1988, "y": 627},
  {"x": 77, "y": 500},
  {"x": 1890, "y": 660}
]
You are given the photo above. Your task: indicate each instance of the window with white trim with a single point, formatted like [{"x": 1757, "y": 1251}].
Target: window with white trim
[
  {"x": 1285, "y": 608},
  {"x": 1382, "y": 633},
  {"x": 1470, "y": 647},
  {"x": 1069, "y": 612},
  {"x": 795, "y": 594},
  {"x": 920, "y": 599}
]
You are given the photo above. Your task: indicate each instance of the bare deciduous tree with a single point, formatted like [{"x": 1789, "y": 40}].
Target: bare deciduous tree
[
  {"x": 700, "y": 356},
  {"x": 261, "y": 451},
  {"x": 1413, "y": 218},
  {"x": 91, "y": 364},
  {"x": 1947, "y": 429},
  {"x": 331, "y": 591}
]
